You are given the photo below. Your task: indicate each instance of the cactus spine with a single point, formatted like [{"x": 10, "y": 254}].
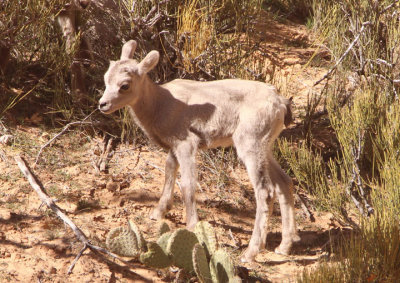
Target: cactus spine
[
  {"x": 163, "y": 228},
  {"x": 123, "y": 241},
  {"x": 155, "y": 256},
  {"x": 200, "y": 264},
  {"x": 180, "y": 246},
  {"x": 163, "y": 241},
  {"x": 206, "y": 235},
  {"x": 221, "y": 267},
  {"x": 139, "y": 236}
]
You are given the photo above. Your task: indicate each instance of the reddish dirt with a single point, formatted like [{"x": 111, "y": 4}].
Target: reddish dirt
[{"x": 37, "y": 247}]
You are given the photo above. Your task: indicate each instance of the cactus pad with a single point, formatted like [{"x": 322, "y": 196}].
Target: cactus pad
[
  {"x": 163, "y": 228},
  {"x": 206, "y": 235},
  {"x": 139, "y": 236},
  {"x": 221, "y": 266},
  {"x": 163, "y": 241},
  {"x": 155, "y": 257},
  {"x": 200, "y": 264},
  {"x": 180, "y": 247},
  {"x": 123, "y": 241}
]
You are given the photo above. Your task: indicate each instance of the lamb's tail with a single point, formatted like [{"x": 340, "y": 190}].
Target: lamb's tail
[{"x": 289, "y": 115}]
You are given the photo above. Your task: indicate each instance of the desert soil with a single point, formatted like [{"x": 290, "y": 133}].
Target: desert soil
[{"x": 37, "y": 247}]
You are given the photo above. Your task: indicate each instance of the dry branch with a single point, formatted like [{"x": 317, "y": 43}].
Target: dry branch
[
  {"x": 363, "y": 206},
  {"x": 307, "y": 211},
  {"x": 36, "y": 185},
  {"x": 108, "y": 151},
  {"x": 365, "y": 24}
]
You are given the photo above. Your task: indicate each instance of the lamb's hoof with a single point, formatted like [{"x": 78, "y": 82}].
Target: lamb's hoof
[
  {"x": 282, "y": 251},
  {"x": 190, "y": 225},
  {"x": 244, "y": 259},
  {"x": 156, "y": 215},
  {"x": 248, "y": 257},
  {"x": 285, "y": 246}
]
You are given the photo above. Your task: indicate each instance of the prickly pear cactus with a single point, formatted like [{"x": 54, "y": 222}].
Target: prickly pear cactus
[
  {"x": 206, "y": 235},
  {"x": 155, "y": 256},
  {"x": 163, "y": 228},
  {"x": 123, "y": 241},
  {"x": 163, "y": 241},
  {"x": 139, "y": 236},
  {"x": 221, "y": 267},
  {"x": 200, "y": 264},
  {"x": 180, "y": 247}
]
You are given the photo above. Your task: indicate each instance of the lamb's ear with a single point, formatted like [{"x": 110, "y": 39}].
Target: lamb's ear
[
  {"x": 128, "y": 50},
  {"x": 149, "y": 62}
]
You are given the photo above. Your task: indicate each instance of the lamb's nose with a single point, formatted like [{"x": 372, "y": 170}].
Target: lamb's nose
[{"x": 102, "y": 105}]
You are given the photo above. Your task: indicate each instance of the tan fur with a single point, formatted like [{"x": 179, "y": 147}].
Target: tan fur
[{"x": 183, "y": 116}]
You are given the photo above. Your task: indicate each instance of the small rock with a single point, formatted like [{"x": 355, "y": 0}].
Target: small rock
[
  {"x": 5, "y": 214},
  {"x": 297, "y": 66},
  {"x": 99, "y": 185},
  {"x": 53, "y": 270},
  {"x": 112, "y": 186}
]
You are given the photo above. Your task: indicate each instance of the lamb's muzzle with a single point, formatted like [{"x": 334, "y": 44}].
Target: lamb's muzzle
[
  {"x": 103, "y": 107},
  {"x": 184, "y": 116}
]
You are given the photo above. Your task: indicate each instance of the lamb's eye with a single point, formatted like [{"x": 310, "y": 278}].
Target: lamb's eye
[{"x": 124, "y": 87}]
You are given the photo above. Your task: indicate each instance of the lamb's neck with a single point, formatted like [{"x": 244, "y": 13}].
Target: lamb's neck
[{"x": 147, "y": 106}]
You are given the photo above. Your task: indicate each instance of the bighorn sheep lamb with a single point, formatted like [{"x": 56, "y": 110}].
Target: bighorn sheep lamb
[{"x": 183, "y": 116}]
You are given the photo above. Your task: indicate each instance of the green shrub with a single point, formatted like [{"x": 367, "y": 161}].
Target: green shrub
[{"x": 366, "y": 121}]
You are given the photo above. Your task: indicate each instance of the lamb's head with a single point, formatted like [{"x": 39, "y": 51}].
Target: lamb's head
[{"x": 124, "y": 79}]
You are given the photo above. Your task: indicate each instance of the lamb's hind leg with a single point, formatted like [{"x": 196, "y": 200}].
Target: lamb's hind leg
[
  {"x": 166, "y": 200},
  {"x": 284, "y": 190},
  {"x": 256, "y": 167}
]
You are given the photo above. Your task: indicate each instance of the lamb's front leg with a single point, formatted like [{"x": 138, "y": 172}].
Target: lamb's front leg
[
  {"x": 185, "y": 153},
  {"x": 166, "y": 200}
]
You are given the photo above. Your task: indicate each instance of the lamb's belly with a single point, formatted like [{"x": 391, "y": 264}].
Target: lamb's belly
[{"x": 221, "y": 142}]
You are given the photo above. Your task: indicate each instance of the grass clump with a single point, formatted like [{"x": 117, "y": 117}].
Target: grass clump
[
  {"x": 365, "y": 119},
  {"x": 373, "y": 255}
]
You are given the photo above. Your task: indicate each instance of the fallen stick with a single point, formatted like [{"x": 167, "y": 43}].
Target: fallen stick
[
  {"x": 36, "y": 185},
  {"x": 106, "y": 155}
]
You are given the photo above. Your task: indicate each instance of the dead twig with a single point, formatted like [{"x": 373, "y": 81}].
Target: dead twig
[
  {"x": 78, "y": 256},
  {"x": 101, "y": 164},
  {"x": 66, "y": 127},
  {"x": 304, "y": 207},
  {"x": 47, "y": 200},
  {"x": 363, "y": 206},
  {"x": 236, "y": 242},
  {"x": 36, "y": 185},
  {"x": 3, "y": 156},
  {"x": 363, "y": 26},
  {"x": 388, "y": 7}
]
